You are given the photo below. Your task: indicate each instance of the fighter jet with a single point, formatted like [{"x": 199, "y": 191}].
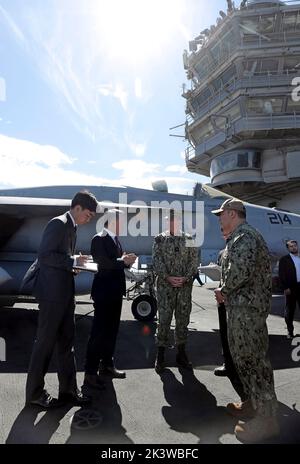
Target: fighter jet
[{"x": 24, "y": 214}]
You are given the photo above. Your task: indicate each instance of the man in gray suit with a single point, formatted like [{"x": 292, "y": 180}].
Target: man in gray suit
[{"x": 55, "y": 290}]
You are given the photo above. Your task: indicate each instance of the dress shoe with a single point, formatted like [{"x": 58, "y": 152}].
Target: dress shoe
[
  {"x": 242, "y": 410},
  {"x": 45, "y": 401},
  {"x": 76, "y": 398},
  {"x": 94, "y": 381},
  {"x": 221, "y": 371},
  {"x": 258, "y": 429},
  {"x": 112, "y": 372}
]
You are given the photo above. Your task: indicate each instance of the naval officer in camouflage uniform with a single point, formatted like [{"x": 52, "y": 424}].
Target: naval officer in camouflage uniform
[
  {"x": 175, "y": 262},
  {"x": 246, "y": 291}
]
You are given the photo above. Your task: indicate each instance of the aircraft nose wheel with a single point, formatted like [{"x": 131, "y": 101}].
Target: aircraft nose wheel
[
  {"x": 86, "y": 419},
  {"x": 144, "y": 308}
]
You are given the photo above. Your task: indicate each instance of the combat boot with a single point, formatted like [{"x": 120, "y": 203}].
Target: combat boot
[
  {"x": 242, "y": 410},
  {"x": 160, "y": 360},
  {"x": 182, "y": 359},
  {"x": 257, "y": 430}
]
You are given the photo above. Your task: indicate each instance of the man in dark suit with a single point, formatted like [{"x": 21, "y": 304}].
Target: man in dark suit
[
  {"x": 289, "y": 276},
  {"x": 55, "y": 290},
  {"x": 108, "y": 289}
]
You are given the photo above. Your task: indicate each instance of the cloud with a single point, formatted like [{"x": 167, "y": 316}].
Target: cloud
[
  {"x": 29, "y": 153},
  {"x": 28, "y": 164},
  {"x": 25, "y": 164},
  {"x": 177, "y": 168},
  {"x": 139, "y": 173},
  {"x": 135, "y": 168},
  {"x": 138, "y": 149}
]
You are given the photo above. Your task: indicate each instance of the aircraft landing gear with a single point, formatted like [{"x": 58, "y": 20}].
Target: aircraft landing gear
[
  {"x": 144, "y": 308},
  {"x": 142, "y": 293}
]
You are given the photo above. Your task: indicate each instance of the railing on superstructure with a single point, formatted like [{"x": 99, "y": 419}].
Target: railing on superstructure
[
  {"x": 245, "y": 123},
  {"x": 257, "y": 79}
]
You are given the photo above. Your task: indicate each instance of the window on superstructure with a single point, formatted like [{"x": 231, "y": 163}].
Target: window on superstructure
[
  {"x": 248, "y": 30},
  {"x": 216, "y": 53},
  {"x": 204, "y": 131},
  {"x": 223, "y": 48},
  {"x": 290, "y": 21},
  {"x": 202, "y": 68},
  {"x": 228, "y": 43},
  {"x": 218, "y": 84},
  {"x": 292, "y": 64},
  {"x": 225, "y": 79},
  {"x": 242, "y": 160},
  {"x": 293, "y": 106},
  {"x": 201, "y": 99},
  {"x": 298, "y": 21},
  {"x": 228, "y": 75},
  {"x": 261, "y": 66},
  {"x": 269, "y": 66},
  {"x": 256, "y": 160},
  {"x": 249, "y": 25},
  {"x": 266, "y": 24},
  {"x": 235, "y": 161},
  {"x": 264, "y": 106},
  {"x": 255, "y": 29},
  {"x": 233, "y": 113},
  {"x": 250, "y": 67}
]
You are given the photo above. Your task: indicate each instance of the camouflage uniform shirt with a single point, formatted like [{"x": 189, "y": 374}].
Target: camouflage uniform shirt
[
  {"x": 174, "y": 255},
  {"x": 246, "y": 276}
]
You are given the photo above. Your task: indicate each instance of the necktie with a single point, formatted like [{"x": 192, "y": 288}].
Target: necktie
[
  {"x": 117, "y": 242},
  {"x": 74, "y": 239}
]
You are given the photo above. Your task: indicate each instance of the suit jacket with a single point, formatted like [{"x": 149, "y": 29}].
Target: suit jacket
[
  {"x": 110, "y": 278},
  {"x": 287, "y": 272},
  {"x": 52, "y": 274}
]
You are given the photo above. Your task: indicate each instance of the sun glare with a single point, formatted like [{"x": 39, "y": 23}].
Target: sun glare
[{"x": 135, "y": 31}]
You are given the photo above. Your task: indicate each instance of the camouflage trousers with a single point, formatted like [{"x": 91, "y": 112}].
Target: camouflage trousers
[
  {"x": 249, "y": 342},
  {"x": 177, "y": 301}
]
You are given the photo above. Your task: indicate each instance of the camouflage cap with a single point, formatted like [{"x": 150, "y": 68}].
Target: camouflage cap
[{"x": 231, "y": 203}]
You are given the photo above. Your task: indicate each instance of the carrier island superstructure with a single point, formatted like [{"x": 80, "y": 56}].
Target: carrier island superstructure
[{"x": 243, "y": 103}]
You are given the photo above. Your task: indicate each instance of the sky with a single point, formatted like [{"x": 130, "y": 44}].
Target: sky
[{"x": 90, "y": 88}]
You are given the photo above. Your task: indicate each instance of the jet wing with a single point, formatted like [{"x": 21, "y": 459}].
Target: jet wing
[
  {"x": 27, "y": 207},
  {"x": 213, "y": 271},
  {"x": 22, "y": 207}
]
